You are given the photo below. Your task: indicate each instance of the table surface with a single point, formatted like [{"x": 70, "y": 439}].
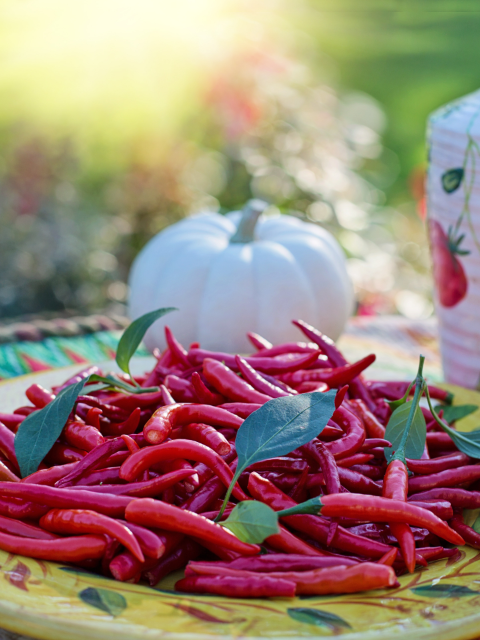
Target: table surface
[{"x": 396, "y": 341}]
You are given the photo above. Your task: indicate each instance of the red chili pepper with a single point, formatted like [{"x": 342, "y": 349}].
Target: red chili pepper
[
  {"x": 143, "y": 489},
  {"x": 326, "y": 461},
  {"x": 310, "y": 387},
  {"x": 272, "y": 366},
  {"x": 448, "y": 478},
  {"x": 358, "y": 483},
  {"x": 164, "y": 419},
  {"x": 275, "y": 562},
  {"x": 441, "y": 508},
  {"x": 150, "y": 543},
  {"x": 74, "y": 549},
  {"x": 63, "y": 454},
  {"x": 436, "y": 553},
  {"x": 149, "y": 456},
  {"x": 11, "y": 420},
  {"x": 394, "y": 390},
  {"x": 39, "y": 396},
  {"x": 99, "y": 477},
  {"x": 7, "y": 446},
  {"x": 187, "y": 550},
  {"x": 81, "y": 375},
  {"x": 93, "y": 417},
  {"x": 203, "y": 393},
  {"x": 17, "y": 528},
  {"x": 471, "y": 537},
  {"x": 373, "y": 426},
  {"x": 357, "y": 458},
  {"x": 458, "y": 498},
  {"x": 166, "y": 395},
  {"x": 205, "y": 434},
  {"x": 335, "y": 377},
  {"x": 258, "y": 342},
  {"x": 373, "y": 443},
  {"x": 241, "y": 409},
  {"x": 108, "y": 410},
  {"x": 354, "y": 434},
  {"x": 82, "y": 521},
  {"x": 316, "y": 528},
  {"x": 229, "y": 384},
  {"x": 94, "y": 458},
  {"x": 181, "y": 390},
  {"x": 126, "y": 427},
  {"x": 440, "y": 442},
  {"x": 375, "y": 472},
  {"x": 125, "y": 567},
  {"x": 6, "y": 473},
  {"x": 257, "y": 381},
  {"x": 25, "y": 411},
  {"x": 376, "y": 509},
  {"x": 204, "y": 498},
  {"x": 53, "y": 497},
  {"x": 287, "y": 348},
  {"x": 131, "y": 401},
  {"x": 153, "y": 513},
  {"x": 177, "y": 350},
  {"x": 435, "y": 465},
  {"x": 82, "y": 436},
  {"x": 21, "y": 509},
  {"x": 294, "y": 465},
  {"x": 252, "y": 587},
  {"x": 50, "y": 476}
]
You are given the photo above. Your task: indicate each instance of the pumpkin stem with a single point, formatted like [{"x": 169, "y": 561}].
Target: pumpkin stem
[{"x": 246, "y": 228}]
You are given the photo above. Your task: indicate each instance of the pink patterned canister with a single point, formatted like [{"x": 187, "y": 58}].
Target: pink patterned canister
[{"x": 453, "y": 205}]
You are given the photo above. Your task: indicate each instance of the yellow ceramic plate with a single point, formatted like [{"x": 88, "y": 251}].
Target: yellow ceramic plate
[{"x": 53, "y": 602}]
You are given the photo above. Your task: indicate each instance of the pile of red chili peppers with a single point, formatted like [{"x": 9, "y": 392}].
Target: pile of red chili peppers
[{"x": 132, "y": 487}]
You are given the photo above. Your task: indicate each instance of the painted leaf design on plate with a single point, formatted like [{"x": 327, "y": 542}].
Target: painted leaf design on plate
[
  {"x": 109, "y": 601},
  {"x": 317, "y": 617},
  {"x": 452, "y": 179},
  {"x": 203, "y": 615},
  {"x": 443, "y": 590},
  {"x": 18, "y": 576}
]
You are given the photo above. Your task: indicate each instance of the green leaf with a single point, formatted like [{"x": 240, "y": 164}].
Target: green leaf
[
  {"x": 39, "y": 431},
  {"x": 442, "y": 590},
  {"x": 317, "y": 617},
  {"x": 454, "y": 413},
  {"x": 311, "y": 507},
  {"x": 394, "y": 404},
  {"x": 280, "y": 426},
  {"x": 467, "y": 442},
  {"x": 252, "y": 522},
  {"x": 476, "y": 525},
  {"x": 396, "y": 426},
  {"x": 113, "y": 381},
  {"x": 109, "y": 601},
  {"x": 452, "y": 179},
  {"x": 133, "y": 335}
]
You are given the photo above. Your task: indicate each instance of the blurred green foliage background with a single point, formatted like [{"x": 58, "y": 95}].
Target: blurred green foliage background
[{"x": 118, "y": 117}]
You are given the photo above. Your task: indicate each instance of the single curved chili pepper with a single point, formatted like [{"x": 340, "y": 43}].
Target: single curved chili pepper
[
  {"x": 316, "y": 528},
  {"x": 448, "y": 478},
  {"x": 149, "y": 456},
  {"x": 110, "y": 411},
  {"x": 287, "y": 542},
  {"x": 241, "y": 409},
  {"x": 229, "y": 384},
  {"x": 437, "y": 441},
  {"x": 274, "y": 562},
  {"x": 6, "y": 474},
  {"x": 293, "y": 465},
  {"x": 389, "y": 558},
  {"x": 7, "y": 446},
  {"x": 93, "y": 458},
  {"x": 53, "y": 497},
  {"x": 21, "y": 509},
  {"x": 132, "y": 446},
  {"x": 81, "y": 375},
  {"x": 205, "y": 434},
  {"x": 18, "y": 528},
  {"x": 394, "y": 390},
  {"x": 373, "y": 427},
  {"x": 49, "y": 476},
  {"x": 278, "y": 383},
  {"x": 273, "y": 366},
  {"x": 340, "y": 396},
  {"x": 83, "y": 521},
  {"x": 257, "y": 381},
  {"x": 330, "y": 433},
  {"x": 167, "y": 466},
  {"x": 335, "y": 377},
  {"x": 63, "y": 454},
  {"x": 177, "y": 350},
  {"x": 258, "y": 341},
  {"x": 151, "y": 545},
  {"x": 25, "y": 411},
  {"x": 354, "y": 434},
  {"x": 377, "y": 509},
  {"x": 146, "y": 488},
  {"x": 252, "y": 587},
  {"x": 11, "y": 420},
  {"x": 166, "y": 395},
  {"x": 111, "y": 551},
  {"x": 358, "y": 483},
  {"x": 326, "y": 461},
  {"x": 287, "y": 348},
  {"x": 125, "y": 567},
  {"x": 283, "y": 480},
  {"x": 186, "y": 550},
  {"x": 203, "y": 393},
  {"x": 39, "y": 396},
  {"x": 375, "y": 472},
  {"x": 357, "y": 458},
  {"x": 115, "y": 460},
  {"x": 181, "y": 390},
  {"x": 130, "y": 401},
  {"x": 82, "y": 436},
  {"x": 166, "y": 418},
  {"x": 373, "y": 443},
  {"x": 126, "y": 427},
  {"x": 458, "y": 498},
  {"x": 435, "y": 465},
  {"x": 205, "y": 496},
  {"x": 153, "y": 513},
  {"x": 436, "y": 553},
  {"x": 310, "y": 387},
  {"x": 73, "y": 549},
  {"x": 93, "y": 417},
  {"x": 471, "y": 537},
  {"x": 381, "y": 410}
]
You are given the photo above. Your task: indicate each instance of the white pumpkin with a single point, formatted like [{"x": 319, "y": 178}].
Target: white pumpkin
[{"x": 241, "y": 272}]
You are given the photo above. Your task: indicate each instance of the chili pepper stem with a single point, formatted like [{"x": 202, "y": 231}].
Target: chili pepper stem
[
  {"x": 238, "y": 473},
  {"x": 419, "y": 388}
]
